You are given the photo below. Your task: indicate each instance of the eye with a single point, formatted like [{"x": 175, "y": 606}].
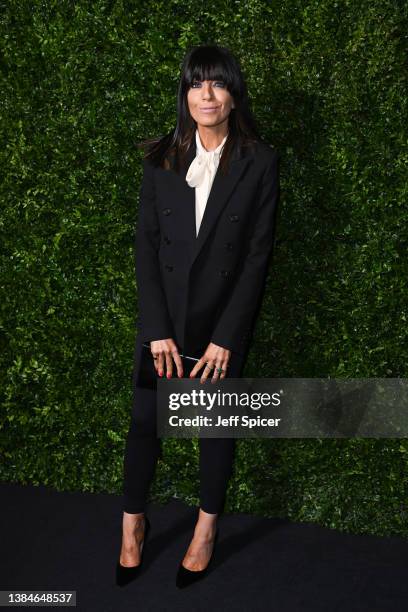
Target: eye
[{"x": 196, "y": 84}]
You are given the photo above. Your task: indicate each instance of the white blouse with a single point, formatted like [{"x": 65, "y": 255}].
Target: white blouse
[{"x": 200, "y": 175}]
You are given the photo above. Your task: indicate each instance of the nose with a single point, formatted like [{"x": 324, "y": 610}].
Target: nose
[{"x": 206, "y": 90}]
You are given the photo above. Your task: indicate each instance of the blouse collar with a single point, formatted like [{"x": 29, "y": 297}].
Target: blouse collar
[{"x": 204, "y": 164}]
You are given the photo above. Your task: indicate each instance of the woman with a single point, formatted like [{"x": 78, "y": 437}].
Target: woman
[{"x": 205, "y": 231}]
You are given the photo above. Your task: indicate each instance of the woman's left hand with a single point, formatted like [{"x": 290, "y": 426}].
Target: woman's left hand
[{"x": 214, "y": 357}]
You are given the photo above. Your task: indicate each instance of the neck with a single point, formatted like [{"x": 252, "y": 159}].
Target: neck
[{"x": 212, "y": 136}]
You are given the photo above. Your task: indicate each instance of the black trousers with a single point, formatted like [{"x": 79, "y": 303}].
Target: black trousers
[{"x": 143, "y": 449}]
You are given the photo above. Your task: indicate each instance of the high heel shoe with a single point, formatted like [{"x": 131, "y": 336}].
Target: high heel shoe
[
  {"x": 124, "y": 574},
  {"x": 185, "y": 577}
]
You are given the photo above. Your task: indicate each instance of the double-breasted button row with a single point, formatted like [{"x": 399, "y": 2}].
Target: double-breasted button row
[
  {"x": 168, "y": 267},
  {"x": 224, "y": 273},
  {"x": 166, "y": 211},
  {"x": 234, "y": 218},
  {"x": 166, "y": 240},
  {"x": 229, "y": 246}
]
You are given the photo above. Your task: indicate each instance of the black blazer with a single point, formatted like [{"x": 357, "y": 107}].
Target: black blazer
[{"x": 207, "y": 288}]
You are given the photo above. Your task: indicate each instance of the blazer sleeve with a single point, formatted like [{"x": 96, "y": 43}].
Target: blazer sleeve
[
  {"x": 154, "y": 320},
  {"x": 234, "y": 325}
]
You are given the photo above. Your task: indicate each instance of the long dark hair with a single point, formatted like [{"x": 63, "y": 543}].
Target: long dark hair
[{"x": 205, "y": 62}]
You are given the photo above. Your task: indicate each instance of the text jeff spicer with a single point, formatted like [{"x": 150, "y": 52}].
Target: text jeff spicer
[{"x": 231, "y": 421}]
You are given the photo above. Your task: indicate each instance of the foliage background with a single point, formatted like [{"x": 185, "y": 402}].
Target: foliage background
[{"x": 81, "y": 83}]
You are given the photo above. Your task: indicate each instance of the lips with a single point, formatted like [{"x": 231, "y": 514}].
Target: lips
[{"x": 209, "y": 109}]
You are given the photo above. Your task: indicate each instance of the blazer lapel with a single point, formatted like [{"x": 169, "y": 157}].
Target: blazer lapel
[{"x": 221, "y": 189}]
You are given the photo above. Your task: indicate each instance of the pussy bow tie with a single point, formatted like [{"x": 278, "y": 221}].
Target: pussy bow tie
[{"x": 205, "y": 163}]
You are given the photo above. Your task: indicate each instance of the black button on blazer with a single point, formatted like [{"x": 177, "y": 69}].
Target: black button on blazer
[{"x": 205, "y": 288}]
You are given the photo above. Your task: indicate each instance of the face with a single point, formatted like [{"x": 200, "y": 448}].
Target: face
[{"x": 209, "y": 102}]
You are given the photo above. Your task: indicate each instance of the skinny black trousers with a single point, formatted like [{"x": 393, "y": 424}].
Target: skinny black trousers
[{"x": 143, "y": 449}]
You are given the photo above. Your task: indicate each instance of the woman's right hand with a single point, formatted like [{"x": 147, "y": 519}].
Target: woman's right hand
[{"x": 166, "y": 351}]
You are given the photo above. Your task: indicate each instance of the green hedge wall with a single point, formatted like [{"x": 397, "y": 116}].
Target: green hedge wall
[{"x": 81, "y": 83}]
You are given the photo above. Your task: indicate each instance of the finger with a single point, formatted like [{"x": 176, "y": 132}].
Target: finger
[
  {"x": 215, "y": 375},
  {"x": 160, "y": 364},
  {"x": 197, "y": 367},
  {"x": 169, "y": 363},
  {"x": 155, "y": 357},
  {"x": 224, "y": 367},
  {"x": 207, "y": 371},
  {"x": 178, "y": 362}
]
